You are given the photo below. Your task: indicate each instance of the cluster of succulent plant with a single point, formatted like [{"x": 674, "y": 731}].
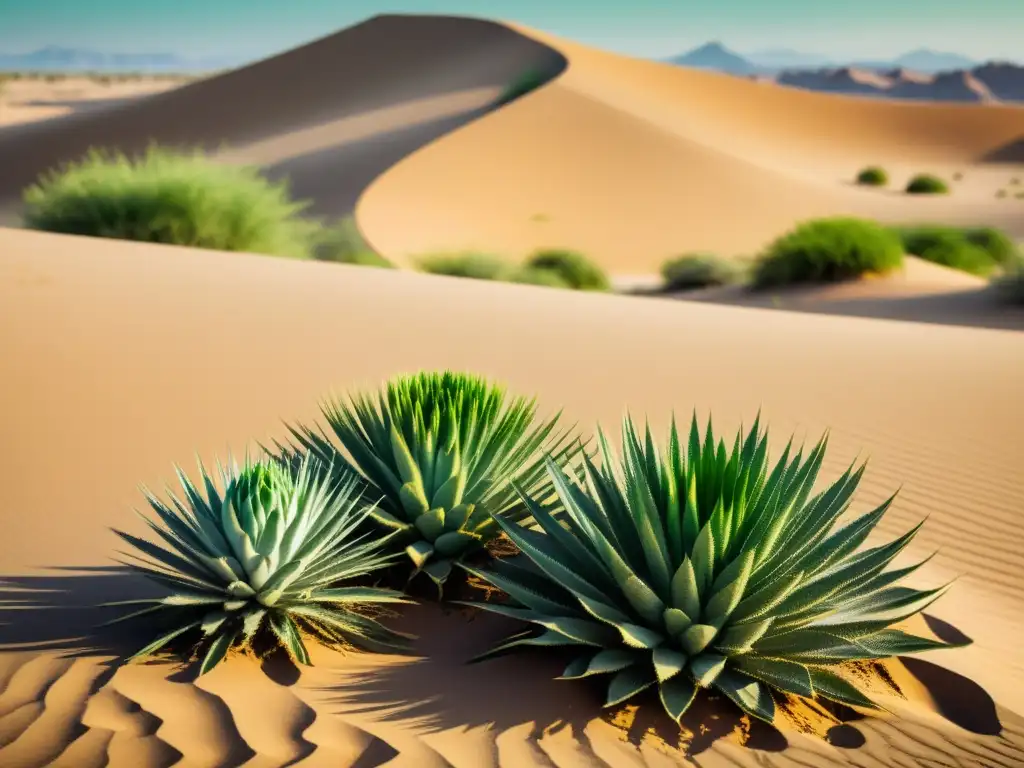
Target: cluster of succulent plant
[
  {"x": 441, "y": 451},
  {"x": 278, "y": 551},
  {"x": 707, "y": 567},
  {"x": 704, "y": 569}
]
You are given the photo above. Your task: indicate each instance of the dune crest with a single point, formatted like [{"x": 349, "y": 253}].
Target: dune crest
[{"x": 636, "y": 161}]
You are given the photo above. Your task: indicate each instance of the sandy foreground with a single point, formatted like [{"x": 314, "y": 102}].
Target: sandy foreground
[
  {"x": 125, "y": 359},
  {"x": 129, "y": 358}
]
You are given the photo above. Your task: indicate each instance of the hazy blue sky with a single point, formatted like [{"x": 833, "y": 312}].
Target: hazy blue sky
[{"x": 979, "y": 28}]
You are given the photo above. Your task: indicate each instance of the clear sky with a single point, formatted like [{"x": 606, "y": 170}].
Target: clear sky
[{"x": 253, "y": 28}]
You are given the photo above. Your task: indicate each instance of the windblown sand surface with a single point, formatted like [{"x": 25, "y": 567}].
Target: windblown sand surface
[{"x": 127, "y": 358}]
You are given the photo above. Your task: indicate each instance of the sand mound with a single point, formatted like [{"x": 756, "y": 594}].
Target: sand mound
[
  {"x": 636, "y": 161},
  {"x": 330, "y": 115},
  {"x": 132, "y": 357}
]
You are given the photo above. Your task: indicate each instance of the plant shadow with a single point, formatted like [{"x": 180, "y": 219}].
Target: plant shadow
[
  {"x": 62, "y": 611},
  {"x": 440, "y": 689}
]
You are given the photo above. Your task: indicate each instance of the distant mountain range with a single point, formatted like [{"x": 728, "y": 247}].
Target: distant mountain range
[
  {"x": 55, "y": 59},
  {"x": 922, "y": 74}
]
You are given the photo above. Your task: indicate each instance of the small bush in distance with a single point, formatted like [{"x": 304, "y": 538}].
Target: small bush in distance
[
  {"x": 534, "y": 276},
  {"x": 700, "y": 270},
  {"x": 170, "y": 197},
  {"x": 478, "y": 266},
  {"x": 441, "y": 451},
  {"x": 275, "y": 555},
  {"x": 827, "y": 250},
  {"x": 873, "y": 176},
  {"x": 573, "y": 267},
  {"x": 705, "y": 568},
  {"x": 343, "y": 243},
  {"x": 978, "y": 250},
  {"x": 926, "y": 184}
]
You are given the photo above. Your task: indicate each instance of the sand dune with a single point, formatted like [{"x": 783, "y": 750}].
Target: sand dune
[
  {"x": 635, "y": 161},
  {"x": 380, "y": 90},
  {"x": 128, "y": 358}
]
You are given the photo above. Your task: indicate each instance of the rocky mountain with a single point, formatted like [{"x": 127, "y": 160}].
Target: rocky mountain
[
  {"x": 56, "y": 59},
  {"x": 921, "y": 75}
]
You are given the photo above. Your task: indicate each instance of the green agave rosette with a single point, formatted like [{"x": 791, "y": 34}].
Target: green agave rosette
[{"x": 706, "y": 570}]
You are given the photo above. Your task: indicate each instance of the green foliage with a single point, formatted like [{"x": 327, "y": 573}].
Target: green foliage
[
  {"x": 168, "y": 197},
  {"x": 827, "y": 250},
  {"x": 926, "y": 184},
  {"x": 440, "y": 451},
  {"x": 575, "y": 269},
  {"x": 271, "y": 555},
  {"x": 534, "y": 276},
  {"x": 873, "y": 176},
  {"x": 529, "y": 80},
  {"x": 978, "y": 250},
  {"x": 344, "y": 243},
  {"x": 478, "y": 266},
  {"x": 701, "y": 270},
  {"x": 705, "y": 569}
]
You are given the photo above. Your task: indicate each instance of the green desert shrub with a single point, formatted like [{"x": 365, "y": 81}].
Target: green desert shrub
[
  {"x": 704, "y": 568},
  {"x": 441, "y": 452},
  {"x": 534, "y": 276},
  {"x": 700, "y": 270},
  {"x": 926, "y": 184},
  {"x": 873, "y": 176},
  {"x": 478, "y": 266},
  {"x": 978, "y": 250},
  {"x": 275, "y": 555},
  {"x": 827, "y": 250},
  {"x": 170, "y": 197},
  {"x": 343, "y": 243},
  {"x": 575, "y": 269}
]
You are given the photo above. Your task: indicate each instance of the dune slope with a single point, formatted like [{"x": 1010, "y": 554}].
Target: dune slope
[
  {"x": 329, "y": 115},
  {"x": 635, "y": 161},
  {"x": 129, "y": 358}
]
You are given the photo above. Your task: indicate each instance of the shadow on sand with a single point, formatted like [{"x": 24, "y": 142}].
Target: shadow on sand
[{"x": 439, "y": 689}]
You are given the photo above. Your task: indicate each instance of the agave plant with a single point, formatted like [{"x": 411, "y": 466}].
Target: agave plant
[
  {"x": 439, "y": 451},
  {"x": 705, "y": 570},
  {"x": 274, "y": 552}
]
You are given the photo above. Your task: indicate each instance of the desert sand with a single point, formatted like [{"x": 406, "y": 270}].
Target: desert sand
[
  {"x": 125, "y": 359},
  {"x": 128, "y": 358}
]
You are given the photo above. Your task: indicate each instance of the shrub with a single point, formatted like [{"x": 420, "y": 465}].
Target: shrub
[
  {"x": 529, "y": 80},
  {"x": 535, "y": 276},
  {"x": 441, "y": 451},
  {"x": 873, "y": 176},
  {"x": 1000, "y": 246},
  {"x": 169, "y": 197},
  {"x": 828, "y": 249},
  {"x": 344, "y": 243},
  {"x": 270, "y": 556},
  {"x": 700, "y": 270},
  {"x": 574, "y": 268},
  {"x": 978, "y": 250},
  {"x": 704, "y": 570},
  {"x": 479, "y": 266},
  {"x": 926, "y": 184}
]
